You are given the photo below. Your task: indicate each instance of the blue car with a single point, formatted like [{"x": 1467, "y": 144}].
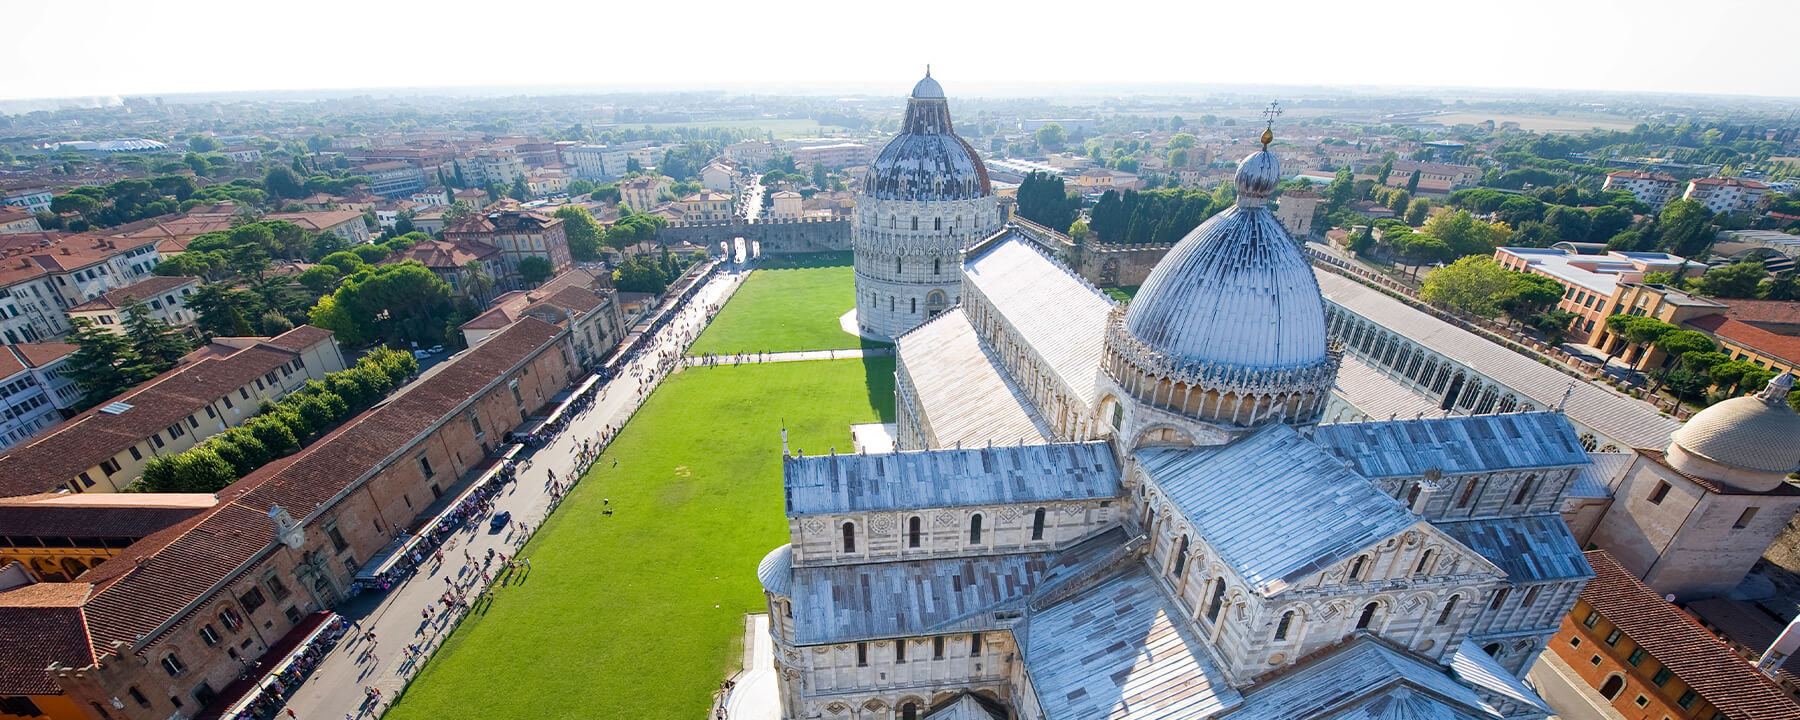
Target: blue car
[{"x": 499, "y": 521}]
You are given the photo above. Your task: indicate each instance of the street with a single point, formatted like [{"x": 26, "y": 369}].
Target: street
[{"x": 411, "y": 612}]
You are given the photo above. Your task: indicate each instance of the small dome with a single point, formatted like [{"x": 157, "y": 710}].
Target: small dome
[
  {"x": 776, "y": 569},
  {"x": 1754, "y": 432},
  {"x": 1236, "y": 292},
  {"x": 927, "y": 161},
  {"x": 928, "y": 88},
  {"x": 1257, "y": 177}
]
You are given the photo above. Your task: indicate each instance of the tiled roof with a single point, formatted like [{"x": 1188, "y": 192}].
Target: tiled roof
[
  {"x": 157, "y": 578},
  {"x": 1530, "y": 549},
  {"x": 317, "y": 221},
  {"x": 56, "y": 457},
  {"x": 186, "y": 228},
  {"x": 1643, "y": 176},
  {"x": 1779, "y": 312},
  {"x": 1454, "y": 445},
  {"x": 1362, "y": 678},
  {"x": 1275, "y": 478},
  {"x": 1739, "y": 182},
  {"x": 1725, "y": 680},
  {"x": 848, "y": 483},
  {"x": 445, "y": 254},
  {"x": 1783, "y": 347},
  {"x": 843, "y": 603},
  {"x": 1052, "y": 310},
  {"x": 962, "y": 394},
  {"x": 575, "y": 290},
  {"x": 1122, "y": 649},
  {"x": 301, "y": 337},
  {"x": 72, "y": 251},
  {"x": 48, "y": 516},
  {"x": 41, "y": 624},
  {"x": 142, "y": 290}
]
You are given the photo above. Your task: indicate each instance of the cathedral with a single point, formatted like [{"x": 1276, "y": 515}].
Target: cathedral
[{"x": 1106, "y": 511}]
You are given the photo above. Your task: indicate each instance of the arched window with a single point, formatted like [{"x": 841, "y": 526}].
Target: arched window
[
  {"x": 1524, "y": 489},
  {"x": 1424, "y": 562},
  {"x": 1468, "y": 494},
  {"x": 1357, "y": 567},
  {"x": 890, "y": 303},
  {"x": 1449, "y": 607},
  {"x": 975, "y": 529},
  {"x": 1287, "y": 623},
  {"x": 1368, "y": 616},
  {"x": 849, "y": 537},
  {"x": 912, "y": 532},
  {"x": 1037, "y": 524},
  {"x": 937, "y": 223},
  {"x": 915, "y": 222},
  {"x": 893, "y": 222},
  {"x": 1181, "y": 556},
  {"x": 1217, "y": 602},
  {"x": 909, "y": 711},
  {"x": 1613, "y": 686},
  {"x": 899, "y": 266},
  {"x": 937, "y": 266},
  {"x": 915, "y": 305}
]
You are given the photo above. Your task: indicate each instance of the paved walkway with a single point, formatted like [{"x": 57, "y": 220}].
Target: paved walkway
[
  {"x": 757, "y": 695},
  {"x": 409, "y": 613},
  {"x": 795, "y": 356}
]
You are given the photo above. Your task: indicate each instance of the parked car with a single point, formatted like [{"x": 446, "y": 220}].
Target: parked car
[
  {"x": 499, "y": 521},
  {"x": 420, "y": 354},
  {"x": 435, "y": 349}
]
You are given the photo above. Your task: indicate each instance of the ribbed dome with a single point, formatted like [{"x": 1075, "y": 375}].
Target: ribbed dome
[
  {"x": 927, "y": 161},
  {"x": 1236, "y": 291},
  {"x": 1754, "y": 432},
  {"x": 777, "y": 569}
]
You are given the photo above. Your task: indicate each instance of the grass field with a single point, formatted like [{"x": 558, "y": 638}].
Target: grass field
[
  {"x": 1559, "y": 123},
  {"x": 781, "y": 127},
  {"x": 1122, "y": 294},
  {"x": 640, "y": 614},
  {"x": 790, "y": 303}
]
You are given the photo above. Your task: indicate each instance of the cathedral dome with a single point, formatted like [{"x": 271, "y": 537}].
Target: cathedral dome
[
  {"x": 927, "y": 161},
  {"x": 1759, "y": 433},
  {"x": 1236, "y": 292}
]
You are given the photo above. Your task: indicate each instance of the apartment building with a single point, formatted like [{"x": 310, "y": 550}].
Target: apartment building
[
  {"x": 14, "y": 220},
  {"x": 214, "y": 388},
  {"x": 1726, "y": 195},
  {"x": 164, "y": 295},
  {"x": 43, "y": 274},
  {"x": 1653, "y": 189},
  {"x": 1589, "y": 282},
  {"x": 34, "y": 391},
  {"x": 518, "y": 234}
]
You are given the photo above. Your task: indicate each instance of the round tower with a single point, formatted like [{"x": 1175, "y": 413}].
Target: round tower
[
  {"x": 1228, "y": 332},
  {"x": 925, "y": 200}
]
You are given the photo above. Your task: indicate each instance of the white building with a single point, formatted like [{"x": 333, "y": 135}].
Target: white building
[
  {"x": 33, "y": 390},
  {"x": 719, "y": 177},
  {"x": 926, "y": 199},
  {"x": 37, "y": 199},
  {"x": 753, "y": 154},
  {"x": 1725, "y": 195},
  {"x": 834, "y": 156},
  {"x": 787, "y": 204},
  {"x": 164, "y": 295},
  {"x": 15, "y": 220},
  {"x": 43, "y": 274},
  {"x": 1653, "y": 189},
  {"x": 1099, "y": 511}
]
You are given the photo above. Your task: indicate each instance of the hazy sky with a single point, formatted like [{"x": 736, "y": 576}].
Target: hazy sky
[{"x": 116, "y": 47}]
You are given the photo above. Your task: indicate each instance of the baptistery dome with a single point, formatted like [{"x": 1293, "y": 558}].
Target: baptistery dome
[{"x": 927, "y": 161}]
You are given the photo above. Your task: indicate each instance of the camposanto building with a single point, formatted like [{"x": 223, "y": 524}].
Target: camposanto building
[
  {"x": 1107, "y": 512},
  {"x": 924, "y": 201}
]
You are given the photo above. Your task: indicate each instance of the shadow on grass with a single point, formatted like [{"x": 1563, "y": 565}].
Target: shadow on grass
[
  {"x": 805, "y": 260},
  {"x": 878, "y": 376}
]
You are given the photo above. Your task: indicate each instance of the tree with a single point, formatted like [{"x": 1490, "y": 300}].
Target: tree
[
  {"x": 196, "y": 470},
  {"x": 457, "y": 212},
  {"x": 640, "y": 274},
  {"x": 1464, "y": 234},
  {"x": 534, "y": 269},
  {"x": 103, "y": 363},
  {"x": 320, "y": 279},
  {"x": 1474, "y": 284},
  {"x": 1607, "y": 221},
  {"x": 157, "y": 343},
  {"x": 1078, "y": 230},
  {"x": 1412, "y": 183},
  {"x": 520, "y": 191},
  {"x": 1043, "y": 198},
  {"x": 1051, "y": 137},
  {"x": 1530, "y": 295},
  {"x": 1417, "y": 211},
  {"x": 582, "y": 230},
  {"x": 1684, "y": 228},
  {"x": 395, "y": 303},
  {"x": 1741, "y": 279},
  {"x": 476, "y": 280},
  {"x": 282, "y": 182},
  {"x": 1398, "y": 202},
  {"x": 202, "y": 144}
]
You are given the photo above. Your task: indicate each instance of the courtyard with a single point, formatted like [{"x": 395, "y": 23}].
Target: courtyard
[
  {"x": 789, "y": 303},
  {"x": 640, "y": 613}
]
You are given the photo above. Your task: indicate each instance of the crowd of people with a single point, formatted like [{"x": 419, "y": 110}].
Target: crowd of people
[{"x": 272, "y": 691}]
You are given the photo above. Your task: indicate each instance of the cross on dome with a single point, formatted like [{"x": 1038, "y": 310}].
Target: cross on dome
[{"x": 1273, "y": 111}]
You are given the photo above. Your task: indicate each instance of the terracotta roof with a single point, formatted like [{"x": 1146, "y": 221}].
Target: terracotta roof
[
  {"x": 57, "y": 456},
  {"x": 1714, "y": 486},
  {"x": 300, "y": 338},
  {"x": 1702, "y": 661},
  {"x": 1740, "y": 182},
  {"x": 1643, "y": 176},
  {"x": 143, "y": 290},
  {"x": 575, "y": 289},
  {"x": 1777, "y": 312},
  {"x": 50, "y": 519},
  {"x": 9, "y": 213},
  {"x": 445, "y": 254},
  {"x": 41, "y": 624},
  {"x": 41, "y": 354},
  {"x": 28, "y": 255},
  {"x": 186, "y": 228},
  {"x": 317, "y": 221},
  {"x": 158, "y": 578},
  {"x": 10, "y": 364},
  {"x": 1784, "y": 347}
]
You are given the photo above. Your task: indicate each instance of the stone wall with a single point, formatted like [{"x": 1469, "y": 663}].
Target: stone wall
[{"x": 776, "y": 236}]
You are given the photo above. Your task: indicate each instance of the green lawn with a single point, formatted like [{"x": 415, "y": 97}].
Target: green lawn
[
  {"x": 640, "y": 614},
  {"x": 1122, "y": 294},
  {"x": 790, "y": 303}
]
